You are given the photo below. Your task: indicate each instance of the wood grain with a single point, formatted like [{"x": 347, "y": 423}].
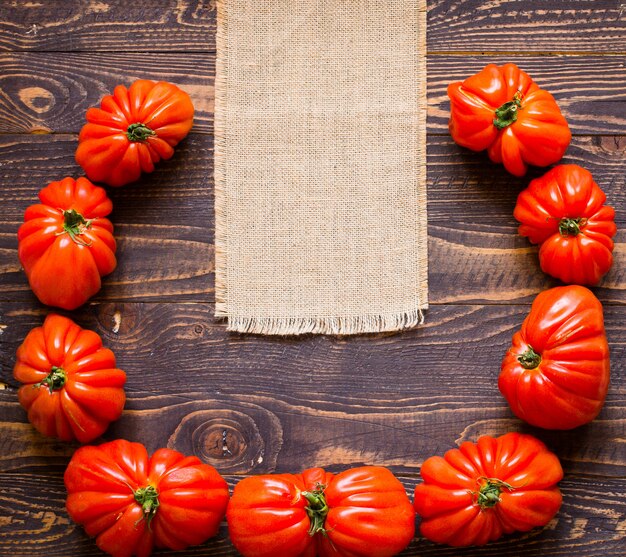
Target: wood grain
[
  {"x": 185, "y": 25},
  {"x": 287, "y": 403},
  {"x": 164, "y": 223},
  {"x": 528, "y": 26},
  {"x": 50, "y": 92},
  {"x": 108, "y": 25}
]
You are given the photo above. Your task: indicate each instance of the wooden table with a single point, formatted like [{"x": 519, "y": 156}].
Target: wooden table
[{"x": 249, "y": 404}]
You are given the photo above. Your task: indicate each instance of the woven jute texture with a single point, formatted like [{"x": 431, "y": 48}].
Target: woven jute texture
[{"x": 320, "y": 165}]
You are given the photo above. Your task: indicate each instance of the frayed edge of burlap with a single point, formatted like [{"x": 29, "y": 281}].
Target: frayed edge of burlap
[
  {"x": 422, "y": 193},
  {"x": 221, "y": 228},
  {"x": 289, "y": 326}
]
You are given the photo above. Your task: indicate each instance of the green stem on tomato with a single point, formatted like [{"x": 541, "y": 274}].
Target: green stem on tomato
[
  {"x": 507, "y": 113},
  {"x": 148, "y": 499},
  {"x": 529, "y": 359},
  {"x": 139, "y": 132},
  {"x": 571, "y": 226},
  {"x": 488, "y": 495},
  {"x": 54, "y": 380},
  {"x": 74, "y": 225},
  {"x": 317, "y": 509}
]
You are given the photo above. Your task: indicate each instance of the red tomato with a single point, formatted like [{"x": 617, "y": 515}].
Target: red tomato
[
  {"x": 131, "y": 502},
  {"x": 362, "y": 512},
  {"x": 556, "y": 373},
  {"x": 132, "y": 130},
  {"x": 502, "y": 110},
  {"x": 65, "y": 244},
  {"x": 72, "y": 389},
  {"x": 564, "y": 212},
  {"x": 478, "y": 492}
]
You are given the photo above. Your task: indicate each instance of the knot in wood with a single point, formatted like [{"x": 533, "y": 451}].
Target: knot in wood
[{"x": 224, "y": 442}]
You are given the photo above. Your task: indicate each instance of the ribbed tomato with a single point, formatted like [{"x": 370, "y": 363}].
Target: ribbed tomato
[
  {"x": 131, "y": 502},
  {"x": 132, "y": 130},
  {"x": 503, "y": 110},
  {"x": 71, "y": 387},
  {"x": 478, "y": 492},
  {"x": 564, "y": 212},
  {"x": 362, "y": 512},
  {"x": 556, "y": 373},
  {"x": 65, "y": 244}
]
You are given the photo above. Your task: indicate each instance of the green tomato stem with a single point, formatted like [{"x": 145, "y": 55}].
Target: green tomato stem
[
  {"x": 571, "y": 227},
  {"x": 317, "y": 509},
  {"x": 74, "y": 225},
  {"x": 55, "y": 379},
  {"x": 507, "y": 113},
  {"x": 148, "y": 498},
  {"x": 488, "y": 495},
  {"x": 529, "y": 359},
  {"x": 139, "y": 132}
]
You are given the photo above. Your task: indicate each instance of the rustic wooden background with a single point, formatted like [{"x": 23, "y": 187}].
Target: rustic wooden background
[{"x": 248, "y": 404}]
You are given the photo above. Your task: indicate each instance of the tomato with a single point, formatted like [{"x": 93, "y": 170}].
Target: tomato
[
  {"x": 502, "y": 109},
  {"x": 131, "y": 502},
  {"x": 362, "y": 512},
  {"x": 72, "y": 389},
  {"x": 65, "y": 244},
  {"x": 556, "y": 373},
  {"x": 478, "y": 492},
  {"x": 132, "y": 130},
  {"x": 564, "y": 212}
]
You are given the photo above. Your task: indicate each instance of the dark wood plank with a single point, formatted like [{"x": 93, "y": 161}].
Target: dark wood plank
[
  {"x": 50, "y": 92},
  {"x": 164, "y": 223},
  {"x": 105, "y": 25},
  {"x": 526, "y": 26},
  {"x": 589, "y": 524},
  {"x": 289, "y": 403},
  {"x": 166, "y": 25}
]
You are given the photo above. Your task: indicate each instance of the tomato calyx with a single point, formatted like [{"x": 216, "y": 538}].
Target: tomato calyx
[
  {"x": 148, "y": 499},
  {"x": 529, "y": 359},
  {"x": 571, "y": 227},
  {"x": 54, "y": 380},
  {"x": 74, "y": 225},
  {"x": 139, "y": 132},
  {"x": 317, "y": 509},
  {"x": 488, "y": 494},
  {"x": 507, "y": 113}
]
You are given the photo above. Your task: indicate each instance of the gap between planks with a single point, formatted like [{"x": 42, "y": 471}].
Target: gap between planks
[
  {"x": 212, "y": 52},
  {"x": 616, "y": 133}
]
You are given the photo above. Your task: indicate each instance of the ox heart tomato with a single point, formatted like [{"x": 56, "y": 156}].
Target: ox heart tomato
[
  {"x": 564, "y": 212},
  {"x": 66, "y": 244},
  {"x": 132, "y": 502},
  {"x": 478, "y": 492},
  {"x": 556, "y": 373},
  {"x": 72, "y": 388},
  {"x": 132, "y": 130},
  {"x": 362, "y": 512},
  {"x": 503, "y": 110}
]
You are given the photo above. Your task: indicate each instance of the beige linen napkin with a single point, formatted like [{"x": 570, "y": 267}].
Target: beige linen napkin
[{"x": 320, "y": 170}]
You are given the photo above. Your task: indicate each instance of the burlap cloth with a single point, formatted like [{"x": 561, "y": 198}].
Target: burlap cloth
[{"x": 320, "y": 171}]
